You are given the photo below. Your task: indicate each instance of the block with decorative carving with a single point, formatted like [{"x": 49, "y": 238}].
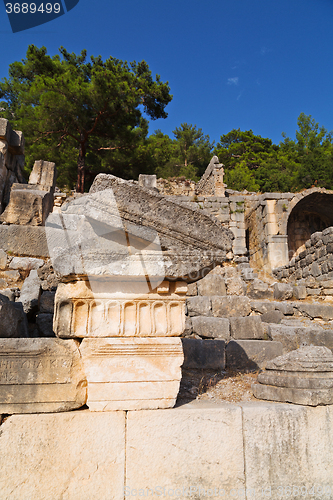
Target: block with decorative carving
[
  {"x": 114, "y": 308},
  {"x": 132, "y": 373}
]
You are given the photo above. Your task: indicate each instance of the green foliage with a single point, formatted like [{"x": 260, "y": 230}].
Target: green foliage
[
  {"x": 92, "y": 109},
  {"x": 241, "y": 177}
]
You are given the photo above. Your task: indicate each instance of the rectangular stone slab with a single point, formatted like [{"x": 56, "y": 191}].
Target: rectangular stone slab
[
  {"x": 309, "y": 397},
  {"x": 119, "y": 308},
  {"x": 41, "y": 375},
  {"x": 132, "y": 374},
  {"x": 298, "y": 380}
]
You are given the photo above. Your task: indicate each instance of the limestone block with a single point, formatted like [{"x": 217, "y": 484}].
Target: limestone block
[
  {"x": 210, "y": 327},
  {"x": 25, "y": 263},
  {"x": 192, "y": 290},
  {"x": 40, "y": 375},
  {"x": 24, "y": 240},
  {"x": 5, "y": 129},
  {"x": 227, "y": 307},
  {"x": 203, "y": 354},
  {"x": 85, "y": 449},
  {"x": 118, "y": 309},
  {"x": 272, "y": 317},
  {"x": 250, "y": 327},
  {"x": 44, "y": 174},
  {"x": 132, "y": 374},
  {"x": 283, "y": 291},
  {"x": 44, "y": 322},
  {"x": 30, "y": 292},
  {"x": 46, "y": 304},
  {"x": 12, "y": 321},
  {"x": 282, "y": 435},
  {"x": 3, "y": 259},
  {"x": 308, "y": 397},
  {"x": 198, "y": 306},
  {"x": 293, "y": 337},
  {"x": 251, "y": 354},
  {"x": 27, "y": 206},
  {"x": 185, "y": 449},
  {"x": 259, "y": 290},
  {"x": 212, "y": 284},
  {"x": 299, "y": 292},
  {"x": 147, "y": 181},
  {"x": 322, "y": 311}
]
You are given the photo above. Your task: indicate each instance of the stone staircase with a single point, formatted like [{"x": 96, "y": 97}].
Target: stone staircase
[{"x": 237, "y": 322}]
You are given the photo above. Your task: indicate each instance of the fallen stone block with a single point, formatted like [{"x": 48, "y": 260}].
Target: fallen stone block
[
  {"x": 299, "y": 292},
  {"x": 250, "y": 328},
  {"x": 283, "y": 291},
  {"x": 12, "y": 320},
  {"x": 86, "y": 449},
  {"x": 111, "y": 308},
  {"x": 46, "y": 304},
  {"x": 28, "y": 205},
  {"x": 30, "y": 292},
  {"x": 44, "y": 322},
  {"x": 259, "y": 290},
  {"x": 25, "y": 263},
  {"x": 215, "y": 432},
  {"x": 40, "y": 375},
  {"x": 132, "y": 374},
  {"x": 230, "y": 306},
  {"x": 211, "y": 327},
  {"x": 24, "y": 240},
  {"x": 212, "y": 284},
  {"x": 204, "y": 354},
  {"x": 251, "y": 355}
]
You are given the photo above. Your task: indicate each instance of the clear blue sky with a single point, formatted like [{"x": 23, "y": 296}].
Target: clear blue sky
[{"x": 230, "y": 63}]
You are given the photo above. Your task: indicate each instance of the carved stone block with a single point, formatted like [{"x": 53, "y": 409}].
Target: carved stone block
[
  {"x": 41, "y": 375},
  {"x": 132, "y": 374},
  {"x": 114, "y": 308}
]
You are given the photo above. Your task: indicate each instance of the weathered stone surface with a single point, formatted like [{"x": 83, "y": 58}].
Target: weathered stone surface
[
  {"x": 322, "y": 311},
  {"x": 251, "y": 354},
  {"x": 272, "y": 317},
  {"x": 211, "y": 327},
  {"x": 44, "y": 175},
  {"x": 12, "y": 320},
  {"x": 41, "y": 375},
  {"x": 25, "y": 263},
  {"x": 44, "y": 322},
  {"x": 27, "y": 206},
  {"x": 192, "y": 290},
  {"x": 283, "y": 291},
  {"x": 212, "y": 284},
  {"x": 203, "y": 354},
  {"x": 250, "y": 327},
  {"x": 113, "y": 308},
  {"x": 198, "y": 306},
  {"x": 24, "y": 240},
  {"x": 309, "y": 397},
  {"x": 215, "y": 432},
  {"x": 147, "y": 181},
  {"x": 259, "y": 290},
  {"x": 299, "y": 292},
  {"x": 3, "y": 259},
  {"x": 132, "y": 374},
  {"x": 304, "y": 359},
  {"x": 226, "y": 307},
  {"x": 46, "y": 304},
  {"x": 120, "y": 226},
  {"x": 30, "y": 292},
  {"x": 86, "y": 449},
  {"x": 277, "y": 436},
  {"x": 293, "y": 337}
]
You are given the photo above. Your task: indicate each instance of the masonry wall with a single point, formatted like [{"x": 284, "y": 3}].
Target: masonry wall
[{"x": 245, "y": 451}]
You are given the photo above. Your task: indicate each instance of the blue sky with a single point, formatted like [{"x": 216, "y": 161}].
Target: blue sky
[{"x": 230, "y": 63}]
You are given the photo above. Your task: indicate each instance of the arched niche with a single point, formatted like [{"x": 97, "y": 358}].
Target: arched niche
[{"x": 311, "y": 214}]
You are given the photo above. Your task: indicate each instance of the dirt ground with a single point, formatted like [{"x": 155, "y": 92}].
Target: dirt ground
[{"x": 216, "y": 386}]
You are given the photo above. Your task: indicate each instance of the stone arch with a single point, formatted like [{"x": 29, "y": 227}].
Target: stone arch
[{"x": 309, "y": 212}]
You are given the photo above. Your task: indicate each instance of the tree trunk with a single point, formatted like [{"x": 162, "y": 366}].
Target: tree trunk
[{"x": 81, "y": 168}]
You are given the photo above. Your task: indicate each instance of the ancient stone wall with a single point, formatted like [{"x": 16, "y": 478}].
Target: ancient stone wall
[{"x": 11, "y": 160}]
